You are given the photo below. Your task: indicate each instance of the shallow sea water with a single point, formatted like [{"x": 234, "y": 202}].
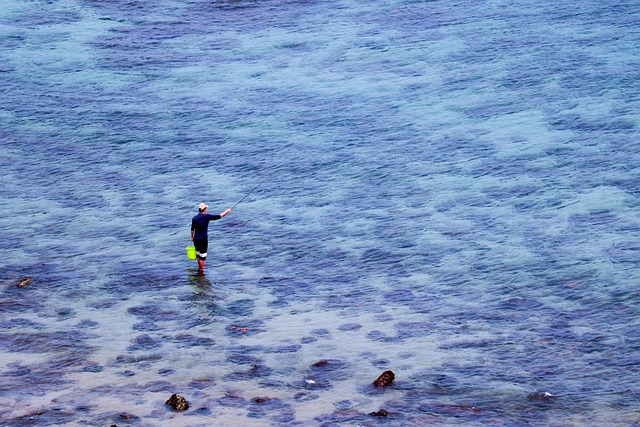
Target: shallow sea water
[{"x": 448, "y": 190}]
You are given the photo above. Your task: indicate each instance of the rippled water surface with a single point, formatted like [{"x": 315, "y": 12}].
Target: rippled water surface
[{"x": 444, "y": 189}]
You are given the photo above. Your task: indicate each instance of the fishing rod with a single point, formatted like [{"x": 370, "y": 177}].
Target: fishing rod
[{"x": 254, "y": 189}]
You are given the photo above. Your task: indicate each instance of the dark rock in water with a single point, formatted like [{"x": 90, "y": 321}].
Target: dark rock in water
[
  {"x": 243, "y": 359},
  {"x": 346, "y": 417},
  {"x": 12, "y": 305},
  {"x": 384, "y": 379},
  {"x": 46, "y": 417},
  {"x": 380, "y": 413},
  {"x": 327, "y": 365},
  {"x": 24, "y": 281},
  {"x": 402, "y": 405},
  {"x": 41, "y": 342},
  {"x": 232, "y": 399},
  {"x": 376, "y": 335},
  {"x": 267, "y": 404},
  {"x": 304, "y": 396},
  {"x": 20, "y": 323},
  {"x": 156, "y": 386},
  {"x": 284, "y": 419},
  {"x": 101, "y": 304},
  {"x": 441, "y": 384},
  {"x": 383, "y": 317},
  {"x": 350, "y": 327},
  {"x": 144, "y": 342},
  {"x": 203, "y": 411},
  {"x": 86, "y": 323},
  {"x": 343, "y": 405},
  {"x": 256, "y": 371},
  {"x": 541, "y": 396},
  {"x": 283, "y": 349},
  {"x": 320, "y": 364},
  {"x": 65, "y": 313},
  {"x": 382, "y": 337},
  {"x": 146, "y": 327},
  {"x": 177, "y": 402},
  {"x": 202, "y": 383},
  {"x": 127, "y": 418},
  {"x": 270, "y": 383},
  {"x": 323, "y": 372},
  {"x": 320, "y": 332},
  {"x": 280, "y": 302},
  {"x": 154, "y": 312}
]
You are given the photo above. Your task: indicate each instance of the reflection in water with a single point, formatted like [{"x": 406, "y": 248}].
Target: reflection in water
[{"x": 205, "y": 297}]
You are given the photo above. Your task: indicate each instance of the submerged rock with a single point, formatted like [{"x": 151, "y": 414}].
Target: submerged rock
[
  {"x": 320, "y": 364},
  {"x": 380, "y": 413},
  {"x": 256, "y": 371},
  {"x": 350, "y": 327},
  {"x": 326, "y": 365},
  {"x": 24, "y": 281},
  {"x": 304, "y": 396},
  {"x": 202, "y": 383},
  {"x": 177, "y": 402},
  {"x": 231, "y": 399},
  {"x": 541, "y": 396},
  {"x": 127, "y": 418},
  {"x": 384, "y": 379}
]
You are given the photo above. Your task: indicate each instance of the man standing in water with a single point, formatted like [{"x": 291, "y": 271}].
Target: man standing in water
[{"x": 199, "y": 227}]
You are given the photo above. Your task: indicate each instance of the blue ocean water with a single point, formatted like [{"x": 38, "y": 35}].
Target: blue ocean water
[{"x": 447, "y": 189}]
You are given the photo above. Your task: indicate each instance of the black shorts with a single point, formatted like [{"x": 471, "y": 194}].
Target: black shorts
[{"x": 201, "y": 248}]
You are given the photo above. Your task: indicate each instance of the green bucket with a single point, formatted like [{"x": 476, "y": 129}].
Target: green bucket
[{"x": 191, "y": 252}]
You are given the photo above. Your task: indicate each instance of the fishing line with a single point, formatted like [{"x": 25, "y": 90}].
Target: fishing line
[{"x": 254, "y": 189}]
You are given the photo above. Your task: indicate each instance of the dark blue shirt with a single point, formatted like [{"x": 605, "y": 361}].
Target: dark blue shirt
[{"x": 200, "y": 224}]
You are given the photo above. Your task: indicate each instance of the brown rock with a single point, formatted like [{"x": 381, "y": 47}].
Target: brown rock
[
  {"x": 384, "y": 379},
  {"x": 380, "y": 413},
  {"x": 24, "y": 281},
  {"x": 177, "y": 402}
]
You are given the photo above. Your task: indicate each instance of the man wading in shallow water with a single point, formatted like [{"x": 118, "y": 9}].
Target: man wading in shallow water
[{"x": 199, "y": 227}]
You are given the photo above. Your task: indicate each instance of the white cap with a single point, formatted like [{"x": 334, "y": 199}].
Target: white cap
[{"x": 202, "y": 207}]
